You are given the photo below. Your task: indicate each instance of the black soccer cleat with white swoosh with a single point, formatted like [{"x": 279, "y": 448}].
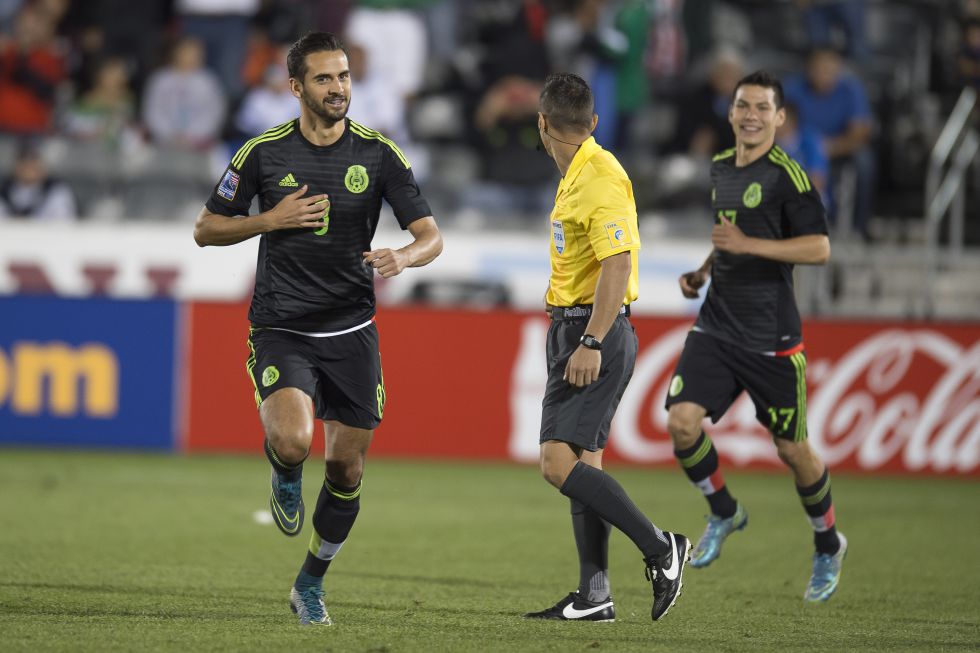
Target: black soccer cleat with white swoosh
[
  {"x": 665, "y": 571},
  {"x": 576, "y": 607}
]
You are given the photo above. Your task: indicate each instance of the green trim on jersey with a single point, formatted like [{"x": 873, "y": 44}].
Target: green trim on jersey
[
  {"x": 796, "y": 173},
  {"x": 724, "y": 154},
  {"x": 273, "y": 134},
  {"x": 364, "y": 132},
  {"x": 799, "y": 362}
]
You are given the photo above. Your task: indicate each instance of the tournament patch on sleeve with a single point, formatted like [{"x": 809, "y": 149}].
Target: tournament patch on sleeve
[
  {"x": 229, "y": 185},
  {"x": 619, "y": 233}
]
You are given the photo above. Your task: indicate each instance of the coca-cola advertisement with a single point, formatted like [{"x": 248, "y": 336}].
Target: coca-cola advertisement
[{"x": 883, "y": 396}]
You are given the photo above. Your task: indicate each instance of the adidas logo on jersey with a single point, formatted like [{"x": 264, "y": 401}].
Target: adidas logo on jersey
[{"x": 288, "y": 180}]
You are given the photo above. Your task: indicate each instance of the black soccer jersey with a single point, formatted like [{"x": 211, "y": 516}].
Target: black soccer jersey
[
  {"x": 750, "y": 301},
  {"x": 315, "y": 280}
]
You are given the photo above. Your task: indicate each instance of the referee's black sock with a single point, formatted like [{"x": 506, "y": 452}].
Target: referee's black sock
[
  {"x": 288, "y": 472},
  {"x": 607, "y": 498},
  {"x": 700, "y": 463},
  {"x": 336, "y": 510},
  {"x": 592, "y": 540}
]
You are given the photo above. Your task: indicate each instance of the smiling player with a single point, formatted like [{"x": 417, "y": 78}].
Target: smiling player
[{"x": 313, "y": 343}]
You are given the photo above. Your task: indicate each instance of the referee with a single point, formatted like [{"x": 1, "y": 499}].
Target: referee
[
  {"x": 591, "y": 352},
  {"x": 748, "y": 335},
  {"x": 313, "y": 344}
]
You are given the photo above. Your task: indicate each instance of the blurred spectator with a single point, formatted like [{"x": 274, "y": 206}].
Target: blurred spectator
[
  {"x": 372, "y": 104},
  {"x": 107, "y": 110},
  {"x": 8, "y": 12},
  {"x": 820, "y": 17},
  {"x": 632, "y": 86},
  {"x": 183, "y": 104},
  {"x": 968, "y": 59},
  {"x": 222, "y": 26},
  {"x": 32, "y": 66},
  {"x": 394, "y": 42},
  {"x": 583, "y": 40},
  {"x": 269, "y": 104},
  {"x": 835, "y": 104},
  {"x": 30, "y": 193},
  {"x": 804, "y": 145},
  {"x": 702, "y": 122}
]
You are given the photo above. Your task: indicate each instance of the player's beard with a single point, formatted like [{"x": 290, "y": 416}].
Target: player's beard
[{"x": 327, "y": 114}]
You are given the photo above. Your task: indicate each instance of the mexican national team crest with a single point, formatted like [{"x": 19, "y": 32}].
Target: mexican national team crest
[
  {"x": 753, "y": 195},
  {"x": 357, "y": 179},
  {"x": 558, "y": 235},
  {"x": 269, "y": 376}
]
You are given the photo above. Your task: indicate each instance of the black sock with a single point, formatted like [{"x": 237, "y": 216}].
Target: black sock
[
  {"x": 592, "y": 540},
  {"x": 820, "y": 509},
  {"x": 288, "y": 472},
  {"x": 336, "y": 510},
  {"x": 607, "y": 498},
  {"x": 700, "y": 463}
]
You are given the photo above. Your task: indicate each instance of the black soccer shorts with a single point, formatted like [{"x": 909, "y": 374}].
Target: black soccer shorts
[
  {"x": 341, "y": 374},
  {"x": 712, "y": 373},
  {"x": 581, "y": 416}
]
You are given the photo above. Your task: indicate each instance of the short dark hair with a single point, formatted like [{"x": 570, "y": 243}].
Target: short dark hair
[
  {"x": 566, "y": 100},
  {"x": 765, "y": 80},
  {"x": 312, "y": 42}
]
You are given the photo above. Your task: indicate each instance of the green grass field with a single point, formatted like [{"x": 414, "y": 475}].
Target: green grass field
[{"x": 129, "y": 552}]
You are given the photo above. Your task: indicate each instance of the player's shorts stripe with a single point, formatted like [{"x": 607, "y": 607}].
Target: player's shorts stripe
[
  {"x": 344, "y": 496},
  {"x": 275, "y": 133},
  {"x": 796, "y": 173},
  {"x": 698, "y": 455},
  {"x": 799, "y": 362},
  {"x": 249, "y": 365},
  {"x": 723, "y": 154},
  {"x": 363, "y": 131}
]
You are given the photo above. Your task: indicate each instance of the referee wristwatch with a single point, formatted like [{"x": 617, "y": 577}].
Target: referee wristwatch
[{"x": 590, "y": 342}]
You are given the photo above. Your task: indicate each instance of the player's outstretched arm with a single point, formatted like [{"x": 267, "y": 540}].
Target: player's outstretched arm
[
  {"x": 294, "y": 211},
  {"x": 811, "y": 249},
  {"x": 691, "y": 282},
  {"x": 421, "y": 251}
]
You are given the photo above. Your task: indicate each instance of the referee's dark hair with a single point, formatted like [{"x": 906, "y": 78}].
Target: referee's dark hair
[
  {"x": 765, "y": 80},
  {"x": 312, "y": 42},
  {"x": 566, "y": 101}
]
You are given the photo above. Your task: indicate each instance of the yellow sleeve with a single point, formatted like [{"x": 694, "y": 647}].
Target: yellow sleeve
[{"x": 610, "y": 221}]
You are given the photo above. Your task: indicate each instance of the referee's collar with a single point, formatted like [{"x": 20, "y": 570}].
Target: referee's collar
[{"x": 585, "y": 152}]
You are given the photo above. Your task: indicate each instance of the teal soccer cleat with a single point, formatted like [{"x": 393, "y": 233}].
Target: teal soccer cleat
[
  {"x": 308, "y": 605},
  {"x": 826, "y": 573},
  {"x": 709, "y": 546},
  {"x": 286, "y": 504}
]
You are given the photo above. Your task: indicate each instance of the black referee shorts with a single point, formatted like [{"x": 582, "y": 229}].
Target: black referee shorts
[
  {"x": 712, "y": 373},
  {"x": 341, "y": 374},
  {"x": 581, "y": 416}
]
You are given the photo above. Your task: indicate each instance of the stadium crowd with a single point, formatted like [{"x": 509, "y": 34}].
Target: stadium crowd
[{"x": 118, "y": 107}]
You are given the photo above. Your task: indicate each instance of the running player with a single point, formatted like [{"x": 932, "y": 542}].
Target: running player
[
  {"x": 591, "y": 351},
  {"x": 313, "y": 342},
  {"x": 748, "y": 333}
]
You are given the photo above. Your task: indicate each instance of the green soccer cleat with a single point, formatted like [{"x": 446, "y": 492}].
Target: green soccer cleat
[
  {"x": 286, "y": 504},
  {"x": 308, "y": 606},
  {"x": 826, "y": 573},
  {"x": 718, "y": 528}
]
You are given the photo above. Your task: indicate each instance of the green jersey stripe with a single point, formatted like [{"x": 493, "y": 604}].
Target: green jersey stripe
[
  {"x": 273, "y": 134},
  {"x": 363, "y": 131},
  {"x": 799, "y": 177},
  {"x": 724, "y": 154}
]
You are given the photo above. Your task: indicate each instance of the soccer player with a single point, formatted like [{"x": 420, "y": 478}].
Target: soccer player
[
  {"x": 591, "y": 351},
  {"x": 313, "y": 342},
  {"x": 748, "y": 333}
]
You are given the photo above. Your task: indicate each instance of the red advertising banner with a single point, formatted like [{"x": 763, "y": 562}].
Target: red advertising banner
[{"x": 883, "y": 396}]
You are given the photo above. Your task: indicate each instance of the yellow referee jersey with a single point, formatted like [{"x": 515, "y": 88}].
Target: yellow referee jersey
[{"x": 594, "y": 218}]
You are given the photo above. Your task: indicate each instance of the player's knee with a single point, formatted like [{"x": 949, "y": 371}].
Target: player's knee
[
  {"x": 291, "y": 445},
  {"x": 683, "y": 427},
  {"x": 552, "y": 472},
  {"x": 793, "y": 454},
  {"x": 345, "y": 472}
]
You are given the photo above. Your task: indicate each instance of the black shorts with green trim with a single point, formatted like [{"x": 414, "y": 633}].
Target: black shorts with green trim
[
  {"x": 581, "y": 416},
  {"x": 712, "y": 373},
  {"x": 340, "y": 373}
]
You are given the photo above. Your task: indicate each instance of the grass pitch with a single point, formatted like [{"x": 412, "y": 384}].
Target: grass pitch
[{"x": 126, "y": 552}]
